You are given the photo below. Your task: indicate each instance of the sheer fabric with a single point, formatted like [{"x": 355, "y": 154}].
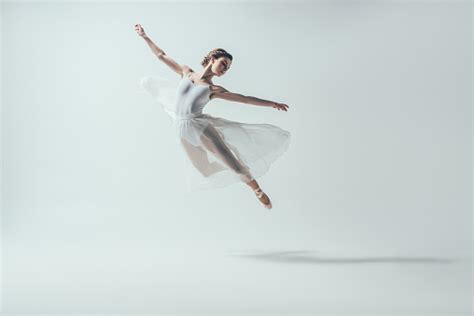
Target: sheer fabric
[{"x": 220, "y": 152}]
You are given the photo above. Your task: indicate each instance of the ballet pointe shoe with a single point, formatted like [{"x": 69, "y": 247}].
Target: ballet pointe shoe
[{"x": 260, "y": 194}]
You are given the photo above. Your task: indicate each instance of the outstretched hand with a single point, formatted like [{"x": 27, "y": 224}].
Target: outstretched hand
[
  {"x": 139, "y": 29},
  {"x": 280, "y": 106}
]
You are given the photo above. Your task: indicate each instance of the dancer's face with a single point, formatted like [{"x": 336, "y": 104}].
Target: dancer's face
[{"x": 221, "y": 65}]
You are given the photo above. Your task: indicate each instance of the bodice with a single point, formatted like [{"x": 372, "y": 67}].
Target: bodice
[{"x": 191, "y": 98}]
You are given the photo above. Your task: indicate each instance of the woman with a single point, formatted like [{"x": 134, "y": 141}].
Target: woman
[{"x": 222, "y": 151}]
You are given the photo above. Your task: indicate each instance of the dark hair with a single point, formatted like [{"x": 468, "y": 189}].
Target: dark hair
[{"x": 216, "y": 53}]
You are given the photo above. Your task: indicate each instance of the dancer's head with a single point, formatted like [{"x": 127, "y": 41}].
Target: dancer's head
[{"x": 219, "y": 60}]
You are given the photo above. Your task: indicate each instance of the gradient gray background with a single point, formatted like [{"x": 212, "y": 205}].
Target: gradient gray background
[{"x": 372, "y": 201}]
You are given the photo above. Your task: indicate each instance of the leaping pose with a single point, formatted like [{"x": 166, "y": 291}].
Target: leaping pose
[{"x": 241, "y": 151}]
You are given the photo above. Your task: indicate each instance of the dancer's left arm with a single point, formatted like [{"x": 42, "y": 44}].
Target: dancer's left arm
[{"x": 225, "y": 94}]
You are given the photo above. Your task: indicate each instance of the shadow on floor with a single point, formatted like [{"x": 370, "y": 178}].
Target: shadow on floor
[{"x": 309, "y": 257}]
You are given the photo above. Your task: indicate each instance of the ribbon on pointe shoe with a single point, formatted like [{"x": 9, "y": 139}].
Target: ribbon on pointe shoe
[{"x": 258, "y": 192}]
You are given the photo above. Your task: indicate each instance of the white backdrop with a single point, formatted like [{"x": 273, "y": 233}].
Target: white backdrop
[{"x": 372, "y": 201}]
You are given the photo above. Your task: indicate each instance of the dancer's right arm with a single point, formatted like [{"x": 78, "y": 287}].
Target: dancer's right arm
[{"x": 170, "y": 62}]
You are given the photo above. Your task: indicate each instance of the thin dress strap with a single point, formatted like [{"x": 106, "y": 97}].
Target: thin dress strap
[{"x": 189, "y": 76}]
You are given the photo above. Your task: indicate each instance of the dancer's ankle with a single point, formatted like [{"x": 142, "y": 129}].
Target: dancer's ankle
[{"x": 253, "y": 184}]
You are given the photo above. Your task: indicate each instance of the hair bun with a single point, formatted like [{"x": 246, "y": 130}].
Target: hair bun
[{"x": 216, "y": 53}]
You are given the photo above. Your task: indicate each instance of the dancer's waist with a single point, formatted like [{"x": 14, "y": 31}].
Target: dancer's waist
[{"x": 187, "y": 116}]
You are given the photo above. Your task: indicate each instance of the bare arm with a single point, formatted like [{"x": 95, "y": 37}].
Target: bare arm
[
  {"x": 224, "y": 94},
  {"x": 170, "y": 62}
]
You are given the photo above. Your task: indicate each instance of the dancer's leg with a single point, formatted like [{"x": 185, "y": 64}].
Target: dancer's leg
[
  {"x": 214, "y": 143},
  {"x": 199, "y": 159}
]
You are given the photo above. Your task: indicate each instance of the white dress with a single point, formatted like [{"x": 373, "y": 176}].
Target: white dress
[{"x": 221, "y": 152}]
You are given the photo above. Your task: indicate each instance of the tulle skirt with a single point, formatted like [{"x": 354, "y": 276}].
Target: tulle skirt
[{"x": 220, "y": 152}]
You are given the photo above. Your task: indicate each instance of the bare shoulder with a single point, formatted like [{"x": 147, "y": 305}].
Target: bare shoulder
[
  {"x": 185, "y": 70},
  {"x": 217, "y": 88},
  {"x": 217, "y": 91}
]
